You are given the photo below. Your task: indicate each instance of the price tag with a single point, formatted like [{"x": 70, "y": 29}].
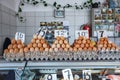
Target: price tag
[
  {"x": 67, "y": 74},
  {"x": 102, "y": 33},
  {"x": 87, "y": 75},
  {"x": 42, "y": 31},
  {"x": 51, "y": 77},
  {"x": 63, "y": 33},
  {"x": 20, "y": 36},
  {"x": 81, "y": 33}
]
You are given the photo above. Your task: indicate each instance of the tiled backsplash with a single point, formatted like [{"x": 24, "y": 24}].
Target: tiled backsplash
[
  {"x": 7, "y": 24},
  {"x": 33, "y": 19}
]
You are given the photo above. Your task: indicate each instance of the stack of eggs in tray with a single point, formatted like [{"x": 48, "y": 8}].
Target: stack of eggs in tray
[
  {"x": 60, "y": 44},
  {"x": 84, "y": 44},
  {"x": 105, "y": 45},
  {"x": 35, "y": 47},
  {"x": 15, "y": 50}
]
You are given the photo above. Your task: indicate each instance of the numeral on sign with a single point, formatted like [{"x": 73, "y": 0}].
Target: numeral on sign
[
  {"x": 42, "y": 31},
  {"x": 67, "y": 74},
  {"x": 81, "y": 33},
  {"x": 102, "y": 33},
  {"x": 49, "y": 77},
  {"x": 20, "y": 36},
  {"x": 63, "y": 33}
]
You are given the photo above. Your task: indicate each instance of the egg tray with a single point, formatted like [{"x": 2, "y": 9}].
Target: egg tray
[{"x": 65, "y": 56}]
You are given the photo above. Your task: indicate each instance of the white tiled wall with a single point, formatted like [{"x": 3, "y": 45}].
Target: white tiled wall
[
  {"x": 75, "y": 17},
  {"x": 7, "y": 24}
]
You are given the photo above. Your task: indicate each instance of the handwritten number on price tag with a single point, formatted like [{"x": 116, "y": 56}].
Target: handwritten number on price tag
[
  {"x": 51, "y": 77},
  {"x": 20, "y": 36},
  {"x": 63, "y": 33},
  {"x": 42, "y": 31},
  {"x": 67, "y": 74},
  {"x": 81, "y": 33},
  {"x": 102, "y": 33}
]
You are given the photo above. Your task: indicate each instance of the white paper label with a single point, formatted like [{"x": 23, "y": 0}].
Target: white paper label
[
  {"x": 51, "y": 77},
  {"x": 42, "y": 31},
  {"x": 81, "y": 33},
  {"x": 67, "y": 74},
  {"x": 63, "y": 33},
  {"x": 102, "y": 33},
  {"x": 87, "y": 75},
  {"x": 20, "y": 36}
]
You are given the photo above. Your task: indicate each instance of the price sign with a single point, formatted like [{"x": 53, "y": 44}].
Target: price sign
[
  {"x": 67, "y": 74},
  {"x": 51, "y": 77},
  {"x": 102, "y": 33},
  {"x": 42, "y": 31},
  {"x": 87, "y": 75},
  {"x": 81, "y": 33},
  {"x": 63, "y": 33},
  {"x": 20, "y": 36}
]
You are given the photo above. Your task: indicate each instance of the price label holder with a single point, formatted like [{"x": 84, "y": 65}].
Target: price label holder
[
  {"x": 51, "y": 77},
  {"x": 67, "y": 74},
  {"x": 87, "y": 75},
  {"x": 81, "y": 33},
  {"x": 21, "y": 36},
  {"x": 42, "y": 31},
  {"x": 63, "y": 33},
  {"x": 102, "y": 33}
]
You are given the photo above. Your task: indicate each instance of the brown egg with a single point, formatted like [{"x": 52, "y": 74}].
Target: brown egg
[
  {"x": 6, "y": 51},
  {"x": 60, "y": 49},
  {"x": 60, "y": 41},
  {"x": 15, "y": 46},
  {"x": 108, "y": 49},
  {"x": 88, "y": 41},
  {"x": 56, "y": 49},
  {"x": 39, "y": 37},
  {"x": 34, "y": 45},
  {"x": 46, "y": 49},
  {"x": 21, "y": 50},
  {"x": 36, "y": 49},
  {"x": 85, "y": 49},
  {"x": 65, "y": 41},
  {"x": 51, "y": 50},
  {"x": 26, "y": 49},
  {"x": 84, "y": 41},
  {"x": 62, "y": 38},
  {"x": 66, "y": 49},
  {"x": 100, "y": 46},
  {"x": 37, "y": 41},
  {"x": 77, "y": 45},
  {"x": 109, "y": 45},
  {"x": 58, "y": 45},
  {"x": 30, "y": 45},
  {"x": 67, "y": 46},
  {"x": 79, "y": 42},
  {"x": 44, "y": 45},
  {"x": 16, "y": 50},
  {"x": 113, "y": 48},
  {"x": 32, "y": 49},
  {"x": 56, "y": 42},
  {"x": 103, "y": 48},
  {"x": 39, "y": 45},
  {"x": 105, "y": 45},
  {"x": 70, "y": 49},
  {"x": 105, "y": 42},
  {"x": 90, "y": 49},
  {"x": 19, "y": 46},
  {"x": 54, "y": 46},
  {"x": 94, "y": 49},
  {"x": 82, "y": 45},
  {"x": 63, "y": 45},
  {"x": 11, "y": 50},
  {"x": 23, "y": 45},
  {"x": 75, "y": 49},
  {"x": 41, "y": 49},
  {"x": 33, "y": 40},
  {"x": 10, "y": 46},
  {"x": 42, "y": 41},
  {"x": 81, "y": 38},
  {"x": 19, "y": 41},
  {"x": 86, "y": 45},
  {"x": 80, "y": 49},
  {"x": 35, "y": 36},
  {"x": 13, "y": 41},
  {"x": 58, "y": 38}
]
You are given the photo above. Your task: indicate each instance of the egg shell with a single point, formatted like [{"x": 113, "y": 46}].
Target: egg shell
[
  {"x": 56, "y": 42},
  {"x": 60, "y": 49},
  {"x": 84, "y": 41},
  {"x": 94, "y": 49},
  {"x": 90, "y": 49},
  {"x": 85, "y": 49},
  {"x": 70, "y": 49},
  {"x": 35, "y": 45},
  {"x": 82, "y": 45},
  {"x": 75, "y": 49},
  {"x": 66, "y": 49},
  {"x": 60, "y": 41},
  {"x": 15, "y": 46},
  {"x": 81, "y": 38},
  {"x": 11, "y": 50},
  {"x": 19, "y": 41},
  {"x": 30, "y": 45},
  {"x": 62, "y": 38},
  {"x": 51, "y": 50},
  {"x": 79, "y": 42},
  {"x": 41, "y": 49},
  {"x": 10, "y": 46},
  {"x": 86, "y": 45},
  {"x": 58, "y": 38},
  {"x": 54, "y": 46},
  {"x": 21, "y": 50},
  {"x": 39, "y": 45},
  {"x": 65, "y": 41},
  {"x": 16, "y": 50},
  {"x": 109, "y": 45},
  {"x": 13, "y": 41},
  {"x": 105, "y": 45},
  {"x": 88, "y": 41},
  {"x": 44, "y": 45},
  {"x": 39, "y": 37},
  {"x": 36, "y": 49},
  {"x": 77, "y": 45},
  {"x": 26, "y": 49},
  {"x": 58, "y": 45},
  {"x": 56, "y": 49},
  {"x": 32, "y": 49},
  {"x": 42, "y": 41},
  {"x": 46, "y": 49},
  {"x": 63, "y": 45},
  {"x": 37, "y": 41},
  {"x": 67, "y": 46},
  {"x": 20, "y": 46},
  {"x": 6, "y": 51},
  {"x": 80, "y": 49},
  {"x": 35, "y": 36},
  {"x": 33, "y": 40}
]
